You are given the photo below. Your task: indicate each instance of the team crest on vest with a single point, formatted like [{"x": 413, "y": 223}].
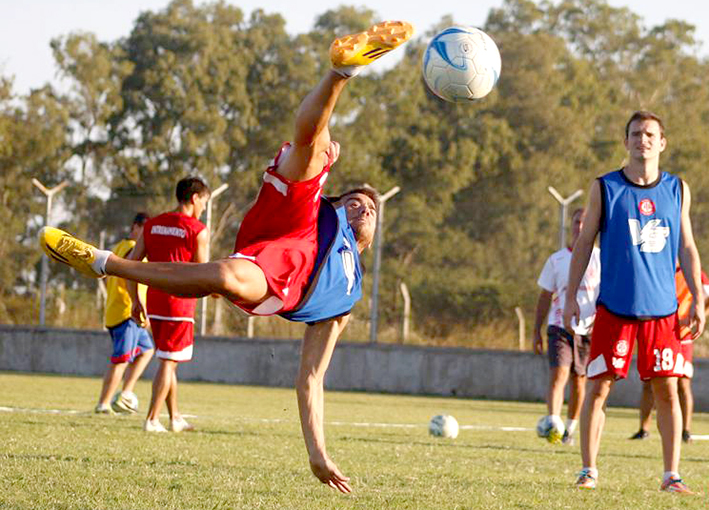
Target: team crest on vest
[
  {"x": 646, "y": 207},
  {"x": 621, "y": 348},
  {"x": 651, "y": 238}
]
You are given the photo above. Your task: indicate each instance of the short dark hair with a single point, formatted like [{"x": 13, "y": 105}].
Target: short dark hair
[
  {"x": 188, "y": 187},
  {"x": 644, "y": 115},
  {"x": 364, "y": 189},
  {"x": 141, "y": 218}
]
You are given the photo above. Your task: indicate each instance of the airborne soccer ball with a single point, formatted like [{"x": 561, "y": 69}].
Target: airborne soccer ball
[
  {"x": 461, "y": 64},
  {"x": 552, "y": 428},
  {"x": 443, "y": 425}
]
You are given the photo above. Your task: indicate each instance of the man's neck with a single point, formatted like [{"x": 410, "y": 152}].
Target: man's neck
[
  {"x": 642, "y": 172},
  {"x": 186, "y": 209}
]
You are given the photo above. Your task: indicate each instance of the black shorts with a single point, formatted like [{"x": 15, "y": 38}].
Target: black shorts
[{"x": 566, "y": 350}]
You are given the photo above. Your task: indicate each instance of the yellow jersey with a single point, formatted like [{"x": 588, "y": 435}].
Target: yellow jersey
[{"x": 118, "y": 302}]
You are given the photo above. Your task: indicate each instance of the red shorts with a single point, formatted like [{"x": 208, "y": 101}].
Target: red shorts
[
  {"x": 280, "y": 235},
  {"x": 659, "y": 348},
  {"x": 173, "y": 339},
  {"x": 688, "y": 355}
]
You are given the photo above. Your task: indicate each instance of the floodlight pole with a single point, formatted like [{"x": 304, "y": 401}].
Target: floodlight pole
[
  {"x": 378, "y": 239},
  {"x": 205, "y": 300},
  {"x": 49, "y": 193},
  {"x": 563, "y": 207}
]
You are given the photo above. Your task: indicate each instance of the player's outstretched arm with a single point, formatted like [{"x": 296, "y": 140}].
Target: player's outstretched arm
[
  {"x": 582, "y": 254},
  {"x": 691, "y": 266},
  {"x": 318, "y": 344}
]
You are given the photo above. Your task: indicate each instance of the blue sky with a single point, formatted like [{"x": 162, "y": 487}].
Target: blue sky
[{"x": 27, "y": 26}]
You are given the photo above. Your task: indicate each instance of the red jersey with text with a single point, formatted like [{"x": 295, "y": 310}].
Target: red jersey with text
[{"x": 171, "y": 237}]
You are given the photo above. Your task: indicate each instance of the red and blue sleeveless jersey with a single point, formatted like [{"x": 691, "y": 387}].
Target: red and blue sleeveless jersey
[
  {"x": 640, "y": 232},
  {"x": 335, "y": 285},
  {"x": 171, "y": 237}
]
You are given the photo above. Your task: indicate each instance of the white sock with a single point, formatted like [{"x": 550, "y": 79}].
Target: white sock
[
  {"x": 571, "y": 425},
  {"x": 592, "y": 471},
  {"x": 348, "y": 71},
  {"x": 99, "y": 263},
  {"x": 670, "y": 474}
]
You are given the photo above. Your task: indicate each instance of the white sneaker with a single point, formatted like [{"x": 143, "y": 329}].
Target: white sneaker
[
  {"x": 103, "y": 409},
  {"x": 153, "y": 426},
  {"x": 180, "y": 425}
]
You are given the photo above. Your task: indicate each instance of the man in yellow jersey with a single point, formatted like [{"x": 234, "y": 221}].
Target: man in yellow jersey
[{"x": 132, "y": 344}]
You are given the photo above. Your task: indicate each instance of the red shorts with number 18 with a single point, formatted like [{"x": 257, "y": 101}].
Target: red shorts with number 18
[{"x": 659, "y": 348}]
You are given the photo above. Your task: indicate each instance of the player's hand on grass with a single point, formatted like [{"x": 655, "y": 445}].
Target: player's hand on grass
[
  {"x": 328, "y": 473},
  {"x": 697, "y": 320},
  {"x": 138, "y": 314},
  {"x": 538, "y": 343},
  {"x": 571, "y": 312}
]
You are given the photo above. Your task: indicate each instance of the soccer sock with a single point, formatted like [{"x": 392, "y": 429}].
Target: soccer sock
[
  {"x": 348, "y": 71},
  {"x": 571, "y": 425},
  {"x": 670, "y": 474},
  {"x": 99, "y": 263}
]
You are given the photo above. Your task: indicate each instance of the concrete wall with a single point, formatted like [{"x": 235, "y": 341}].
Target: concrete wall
[{"x": 385, "y": 368}]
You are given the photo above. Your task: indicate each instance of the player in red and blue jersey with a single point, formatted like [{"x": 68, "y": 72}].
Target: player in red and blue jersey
[
  {"x": 642, "y": 214},
  {"x": 296, "y": 253}
]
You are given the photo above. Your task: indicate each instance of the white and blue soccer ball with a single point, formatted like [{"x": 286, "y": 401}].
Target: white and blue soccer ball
[
  {"x": 461, "y": 64},
  {"x": 552, "y": 428},
  {"x": 443, "y": 425}
]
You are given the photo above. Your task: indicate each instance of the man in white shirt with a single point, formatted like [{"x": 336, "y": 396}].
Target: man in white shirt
[{"x": 567, "y": 352}]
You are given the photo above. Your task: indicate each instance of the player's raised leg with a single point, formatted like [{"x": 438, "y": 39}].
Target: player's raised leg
[
  {"x": 236, "y": 279},
  {"x": 312, "y": 148}
]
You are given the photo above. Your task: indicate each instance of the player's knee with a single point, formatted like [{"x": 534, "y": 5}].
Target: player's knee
[{"x": 231, "y": 280}]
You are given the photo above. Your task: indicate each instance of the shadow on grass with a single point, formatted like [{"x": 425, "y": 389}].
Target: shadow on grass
[{"x": 520, "y": 449}]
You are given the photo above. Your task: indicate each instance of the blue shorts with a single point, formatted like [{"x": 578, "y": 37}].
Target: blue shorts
[{"x": 129, "y": 341}]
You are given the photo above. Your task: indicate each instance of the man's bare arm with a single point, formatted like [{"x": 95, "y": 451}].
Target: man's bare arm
[
  {"x": 691, "y": 266},
  {"x": 137, "y": 311},
  {"x": 543, "y": 305},
  {"x": 582, "y": 253},
  {"x": 318, "y": 345}
]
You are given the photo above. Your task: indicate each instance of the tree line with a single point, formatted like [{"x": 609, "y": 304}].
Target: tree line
[{"x": 210, "y": 90}]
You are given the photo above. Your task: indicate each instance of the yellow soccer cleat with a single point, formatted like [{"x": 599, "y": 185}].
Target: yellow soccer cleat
[
  {"x": 365, "y": 47},
  {"x": 67, "y": 249}
]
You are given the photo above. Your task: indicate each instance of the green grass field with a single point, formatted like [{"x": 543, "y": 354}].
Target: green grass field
[{"x": 248, "y": 453}]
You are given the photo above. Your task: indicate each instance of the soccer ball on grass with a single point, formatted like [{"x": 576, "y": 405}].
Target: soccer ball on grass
[
  {"x": 552, "y": 428},
  {"x": 461, "y": 64},
  {"x": 443, "y": 425}
]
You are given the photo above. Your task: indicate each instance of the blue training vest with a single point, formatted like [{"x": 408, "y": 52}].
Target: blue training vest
[
  {"x": 640, "y": 231},
  {"x": 335, "y": 284}
]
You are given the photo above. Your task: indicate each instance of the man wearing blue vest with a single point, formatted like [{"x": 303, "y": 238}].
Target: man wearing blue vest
[
  {"x": 642, "y": 214},
  {"x": 296, "y": 253}
]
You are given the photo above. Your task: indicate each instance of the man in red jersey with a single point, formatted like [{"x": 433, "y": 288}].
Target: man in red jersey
[
  {"x": 282, "y": 265},
  {"x": 174, "y": 236}
]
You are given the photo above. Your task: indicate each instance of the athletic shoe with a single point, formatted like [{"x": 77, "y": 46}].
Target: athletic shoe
[
  {"x": 180, "y": 425},
  {"x": 125, "y": 402},
  {"x": 65, "y": 248},
  {"x": 686, "y": 436},
  {"x": 586, "y": 480},
  {"x": 153, "y": 426},
  {"x": 356, "y": 50},
  {"x": 640, "y": 434},
  {"x": 103, "y": 409},
  {"x": 567, "y": 439},
  {"x": 675, "y": 485}
]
